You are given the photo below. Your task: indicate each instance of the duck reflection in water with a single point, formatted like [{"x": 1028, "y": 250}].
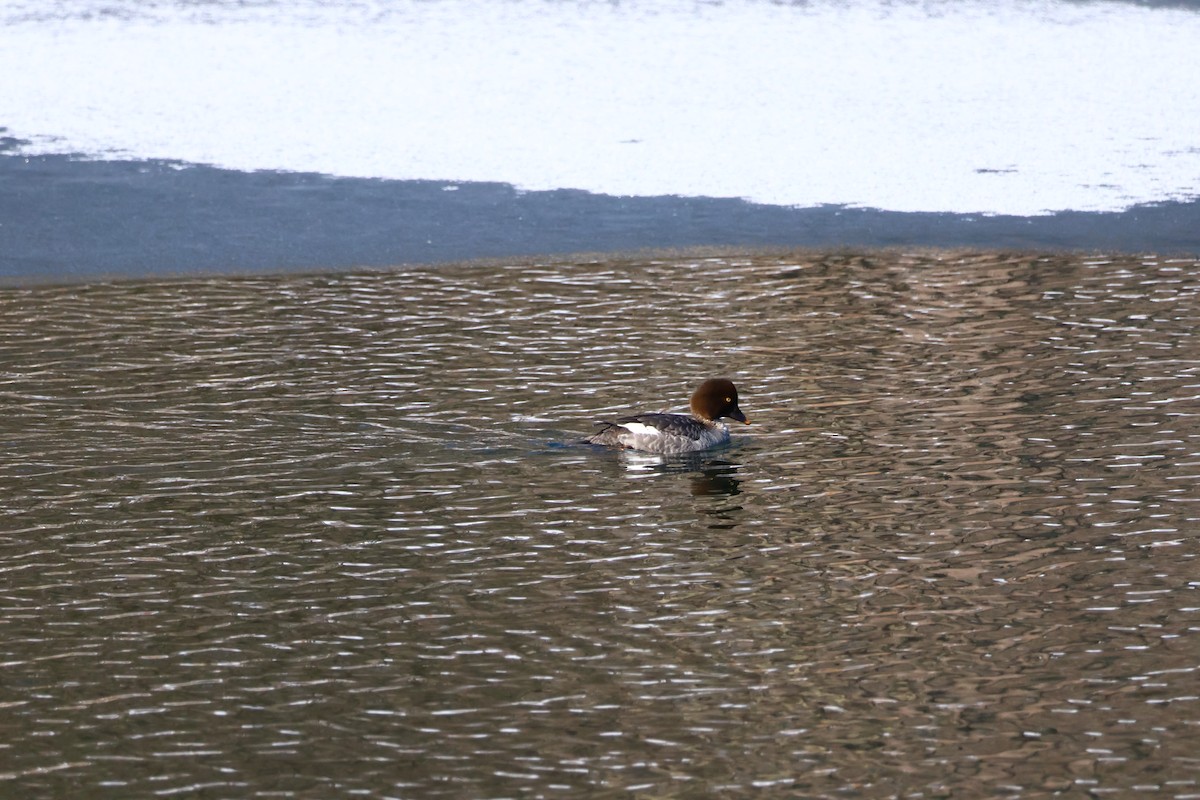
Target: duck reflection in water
[{"x": 710, "y": 476}]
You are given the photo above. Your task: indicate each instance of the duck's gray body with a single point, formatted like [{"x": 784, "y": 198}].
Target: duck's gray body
[{"x": 661, "y": 433}]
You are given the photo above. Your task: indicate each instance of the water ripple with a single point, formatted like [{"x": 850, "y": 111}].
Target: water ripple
[{"x": 322, "y": 535}]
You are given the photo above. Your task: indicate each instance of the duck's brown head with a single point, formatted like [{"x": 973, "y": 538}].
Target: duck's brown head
[{"x": 716, "y": 398}]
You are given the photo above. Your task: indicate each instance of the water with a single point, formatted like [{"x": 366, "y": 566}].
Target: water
[{"x": 325, "y": 535}]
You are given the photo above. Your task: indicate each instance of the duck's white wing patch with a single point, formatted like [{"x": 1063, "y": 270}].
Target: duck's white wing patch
[{"x": 640, "y": 429}]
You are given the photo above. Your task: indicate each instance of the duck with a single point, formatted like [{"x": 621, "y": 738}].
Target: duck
[{"x": 671, "y": 434}]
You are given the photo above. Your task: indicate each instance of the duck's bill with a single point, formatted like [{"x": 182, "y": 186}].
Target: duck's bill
[{"x": 740, "y": 417}]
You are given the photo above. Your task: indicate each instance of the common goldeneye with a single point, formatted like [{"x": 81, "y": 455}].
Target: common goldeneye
[{"x": 677, "y": 433}]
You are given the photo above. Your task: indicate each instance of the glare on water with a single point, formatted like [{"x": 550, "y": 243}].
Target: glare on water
[{"x": 323, "y": 535}]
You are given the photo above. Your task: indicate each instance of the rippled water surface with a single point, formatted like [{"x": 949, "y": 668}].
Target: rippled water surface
[{"x": 326, "y": 536}]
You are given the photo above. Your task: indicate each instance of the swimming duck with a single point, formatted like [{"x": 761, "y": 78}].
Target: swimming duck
[{"x": 677, "y": 433}]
